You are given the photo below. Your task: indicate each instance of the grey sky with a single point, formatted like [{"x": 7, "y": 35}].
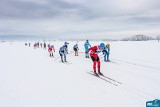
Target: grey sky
[{"x": 80, "y": 18}]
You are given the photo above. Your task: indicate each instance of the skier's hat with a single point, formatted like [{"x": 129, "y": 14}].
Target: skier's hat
[
  {"x": 108, "y": 45},
  {"x": 102, "y": 45}
]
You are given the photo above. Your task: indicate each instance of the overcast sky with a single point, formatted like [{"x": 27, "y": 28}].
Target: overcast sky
[{"x": 80, "y": 18}]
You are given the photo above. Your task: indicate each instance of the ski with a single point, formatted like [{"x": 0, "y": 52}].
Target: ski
[
  {"x": 100, "y": 77},
  {"x": 65, "y": 62},
  {"x": 110, "y": 78},
  {"x": 112, "y": 62}
]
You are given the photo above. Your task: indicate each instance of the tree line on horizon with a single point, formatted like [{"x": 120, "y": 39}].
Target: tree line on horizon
[{"x": 141, "y": 38}]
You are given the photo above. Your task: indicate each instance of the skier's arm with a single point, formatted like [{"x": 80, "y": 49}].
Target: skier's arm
[
  {"x": 65, "y": 51},
  {"x": 90, "y": 49},
  {"x": 60, "y": 51},
  {"x": 103, "y": 52}
]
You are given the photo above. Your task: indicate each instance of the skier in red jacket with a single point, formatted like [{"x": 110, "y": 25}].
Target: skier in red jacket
[
  {"x": 95, "y": 58},
  {"x": 50, "y": 50}
]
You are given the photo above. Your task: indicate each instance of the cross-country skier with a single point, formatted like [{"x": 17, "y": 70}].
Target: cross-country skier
[
  {"x": 87, "y": 45},
  {"x": 41, "y": 45},
  {"x": 75, "y": 48},
  {"x": 108, "y": 51},
  {"x": 44, "y": 45},
  {"x": 35, "y": 45},
  {"x": 95, "y": 58},
  {"x": 38, "y": 44},
  {"x": 66, "y": 45},
  {"x": 50, "y": 50},
  {"x": 105, "y": 52},
  {"x": 63, "y": 52}
]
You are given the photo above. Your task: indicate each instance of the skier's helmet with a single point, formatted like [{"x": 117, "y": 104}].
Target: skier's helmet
[
  {"x": 108, "y": 45},
  {"x": 102, "y": 45},
  {"x": 65, "y": 42},
  {"x": 87, "y": 40}
]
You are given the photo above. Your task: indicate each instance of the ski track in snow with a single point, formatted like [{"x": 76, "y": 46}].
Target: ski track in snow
[
  {"x": 29, "y": 77},
  {"x": 130, "y": 88}
]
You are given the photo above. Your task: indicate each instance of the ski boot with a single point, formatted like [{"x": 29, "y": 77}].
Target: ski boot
[
  {"x": 96, "y": 74},
  {"x": 108, "y": 60},
  {"x": 100, "y": 73}
]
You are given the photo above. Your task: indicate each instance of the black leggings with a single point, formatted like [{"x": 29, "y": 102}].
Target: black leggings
[{"x": 93, "y": 59}]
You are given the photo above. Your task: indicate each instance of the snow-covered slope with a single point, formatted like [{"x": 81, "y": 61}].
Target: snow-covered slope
[{"x": 30, "y": 78}]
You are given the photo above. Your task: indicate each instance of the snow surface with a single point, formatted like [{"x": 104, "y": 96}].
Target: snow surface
[{"x": 30, "y": 78}]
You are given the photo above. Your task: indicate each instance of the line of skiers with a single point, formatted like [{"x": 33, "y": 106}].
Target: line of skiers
[
  {"x": 89, "y": 51},
  {"x": 29, "y": 44},
  {"x": 37, "y": 45}
]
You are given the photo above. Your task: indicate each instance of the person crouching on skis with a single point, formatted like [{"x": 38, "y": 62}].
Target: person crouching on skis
[
  {"x": 63, "y": 52},
  {"x": 95, "y": 58},
  {"x": 75, "y": 48}
]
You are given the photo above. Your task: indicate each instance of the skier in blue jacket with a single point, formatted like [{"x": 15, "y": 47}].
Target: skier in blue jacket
[
  {"x": 63, "y": 52},
  {"x": 106, "y": 52},
  {"x": 87, "y": 45}
]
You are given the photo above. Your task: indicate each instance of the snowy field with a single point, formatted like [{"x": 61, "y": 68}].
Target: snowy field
[{"x": 30, "y": 78}]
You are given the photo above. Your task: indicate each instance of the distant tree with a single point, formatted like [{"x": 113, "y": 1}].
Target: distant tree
[
  {"x": 158, "y": 38},
  {"x": 138, "y": 38}
]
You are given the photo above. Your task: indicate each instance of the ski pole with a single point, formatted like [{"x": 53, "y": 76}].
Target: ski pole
[
  {"x": 70, "y": 53},
  {"x": 57, "y": 58}
]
